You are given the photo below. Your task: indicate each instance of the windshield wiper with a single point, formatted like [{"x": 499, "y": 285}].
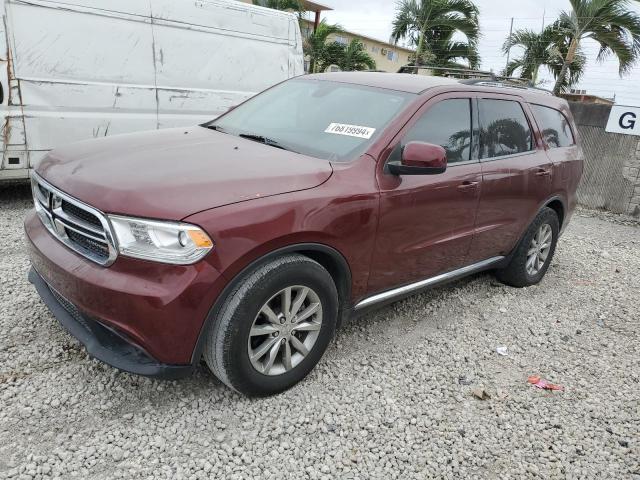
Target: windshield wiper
[
  {"x": 216, "y": 128},
  {"x": 265, "y": 140}
]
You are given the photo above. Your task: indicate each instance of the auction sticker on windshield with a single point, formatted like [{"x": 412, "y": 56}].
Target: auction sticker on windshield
[{"x": 350, "y": 130}]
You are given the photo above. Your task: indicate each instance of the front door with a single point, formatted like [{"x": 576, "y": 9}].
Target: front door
[
  {"x": 427, "y": 221},
  {"x": 516, "y": 175}
]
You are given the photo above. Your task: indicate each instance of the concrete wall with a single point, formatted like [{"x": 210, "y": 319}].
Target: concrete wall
[{"x": 611, "y": 178}]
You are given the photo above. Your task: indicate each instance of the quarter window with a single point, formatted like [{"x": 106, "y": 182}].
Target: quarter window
[
  {"x": 504, "y": 129},
  {"x": 554, "y": 126},
  {"x": 448, "y": 124}
]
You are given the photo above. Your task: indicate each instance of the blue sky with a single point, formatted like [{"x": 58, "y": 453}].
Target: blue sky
[{"x": 373, "y": 18}]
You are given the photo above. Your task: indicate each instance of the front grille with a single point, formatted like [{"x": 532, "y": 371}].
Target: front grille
[
  {"x": 92, "y": 246},
  {"x": 79, "y": 213},
  {"x": 79, "y": 226},
  {"x": 70, "y": 308},
  {"x": 43, "y": 190}
]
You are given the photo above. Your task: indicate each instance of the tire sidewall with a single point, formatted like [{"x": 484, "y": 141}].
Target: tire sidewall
[
  {"x": 549, "y": 217},
  {"x": 240, "y": 372}
]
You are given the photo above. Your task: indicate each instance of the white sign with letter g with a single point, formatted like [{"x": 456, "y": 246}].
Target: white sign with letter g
[{"x": 625, "y": 120}]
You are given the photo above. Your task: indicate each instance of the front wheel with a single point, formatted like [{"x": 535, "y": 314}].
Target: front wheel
[
  {"x": 274, "y": 327},
  {"x": 533, "y": 255}
]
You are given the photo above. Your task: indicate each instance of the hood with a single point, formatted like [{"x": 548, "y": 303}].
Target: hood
[{"x": 171, "y": 174}]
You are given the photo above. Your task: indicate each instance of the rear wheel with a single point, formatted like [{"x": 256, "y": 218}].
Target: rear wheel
[
  {"x": 533, "y": 255},
  {"x": 274, "y": 327}
]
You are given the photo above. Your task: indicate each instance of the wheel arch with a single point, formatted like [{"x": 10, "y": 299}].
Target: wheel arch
[
  {"x": 557, "y": 205},
  {"x": 327, "y": 256}
]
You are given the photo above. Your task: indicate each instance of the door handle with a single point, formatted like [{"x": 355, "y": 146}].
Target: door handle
[
  {"x": 467, "y": 185},
  {"x": 541, "y": 172}
]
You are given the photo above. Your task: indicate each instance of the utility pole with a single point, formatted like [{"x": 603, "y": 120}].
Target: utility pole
[{"x": 509, "y": 51}]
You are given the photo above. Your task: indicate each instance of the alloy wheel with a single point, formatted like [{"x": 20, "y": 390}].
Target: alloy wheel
[
  {"x": 285, "y": 330},
  {"x": 539, "y": 249}
]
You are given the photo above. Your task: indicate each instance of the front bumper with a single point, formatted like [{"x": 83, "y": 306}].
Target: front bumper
[
  {"x": 154, "y": 308},
  {"x": 102, "y": 342}
]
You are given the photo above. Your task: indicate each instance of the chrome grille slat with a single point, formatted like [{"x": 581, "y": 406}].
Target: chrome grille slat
[
  {"x": 73, "y": 223},
  {"x": 77, "y": 225},
  {"x": 95, "y": 238},
  {"x": 79, "y": 214},
  {"x": 89, "y": 246}
]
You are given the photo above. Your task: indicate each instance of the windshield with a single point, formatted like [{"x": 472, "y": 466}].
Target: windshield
[{"x": 331, "y": 120}]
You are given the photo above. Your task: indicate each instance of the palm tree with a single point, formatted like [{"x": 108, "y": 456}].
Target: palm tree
[
  {"x": 332, "y": 54},
  {"x": 611, "y": 23},
  {"x": 449, "y": 52},
  {"x": 546, "y": 49},
  {"x": 316, "y": 47},
  {"x": 355, "y": 57},
  {"x": 430, "y": 24}
]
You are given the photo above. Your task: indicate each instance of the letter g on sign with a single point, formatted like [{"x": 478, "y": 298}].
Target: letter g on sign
[{"x": 627, "y": 120}]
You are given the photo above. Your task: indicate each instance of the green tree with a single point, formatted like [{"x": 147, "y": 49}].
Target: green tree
[
  {"x": 545, "y": 49},
  {"x": 295, "y": 5},
  {"x": 332, "y": 54},
  {"x": 348, "y": 57},
  {"x": 355, "y": 57},
  {"x": 431, "y": 24},
  {"x": 450, "y": 52},
  {"x": 610, "y": 23},
  {"x": 317, "y": 48}
]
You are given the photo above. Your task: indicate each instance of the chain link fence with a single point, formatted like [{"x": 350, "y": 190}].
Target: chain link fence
[{"x": 611, "y": 179}]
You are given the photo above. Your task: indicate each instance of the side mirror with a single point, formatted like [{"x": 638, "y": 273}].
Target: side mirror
[{"x": 420, "y": 158}]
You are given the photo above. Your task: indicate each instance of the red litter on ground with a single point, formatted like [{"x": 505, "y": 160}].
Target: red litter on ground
[{"x": 539, "y": 382}]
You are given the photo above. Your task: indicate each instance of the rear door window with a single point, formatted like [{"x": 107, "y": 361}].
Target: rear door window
[
  {"x": 448, "y": 124},
  {"x": 554, "y": 127},
  {"x": 504, "y": 129}
]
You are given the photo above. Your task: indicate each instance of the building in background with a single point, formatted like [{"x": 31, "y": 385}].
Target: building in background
[
  {"x": 388, "y": 57},
  {"x": 582, "y": 96}
]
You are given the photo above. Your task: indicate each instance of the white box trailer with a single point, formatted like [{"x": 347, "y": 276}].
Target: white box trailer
[{"x": 77, "y": 69}]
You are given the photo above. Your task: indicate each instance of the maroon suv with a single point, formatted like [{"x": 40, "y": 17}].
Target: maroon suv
[{"x": 247, "y": 240}]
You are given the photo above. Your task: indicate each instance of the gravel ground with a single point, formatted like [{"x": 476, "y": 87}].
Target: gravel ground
[{"x": 392, "y": 397}]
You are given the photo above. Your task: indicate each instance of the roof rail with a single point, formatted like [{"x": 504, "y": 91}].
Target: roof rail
[
  {"x": 454, "y": 72},
  {"x": 502, "y": 82},
  {"x": 473, "y": 77}
]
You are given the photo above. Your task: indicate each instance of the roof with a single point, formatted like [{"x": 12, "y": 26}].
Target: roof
[
  {"x": 392, "y": 81},
  {"x": 314, "y": 6},
  {"x": 586, "y": 98},
  {"x": 406, "y": 82}
]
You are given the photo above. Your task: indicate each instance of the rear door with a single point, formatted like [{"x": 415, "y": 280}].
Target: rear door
[
  {"x": 516, "y": 175},
  {"x": 563, "y": 150},
  {"x": 427, "y": 221}
]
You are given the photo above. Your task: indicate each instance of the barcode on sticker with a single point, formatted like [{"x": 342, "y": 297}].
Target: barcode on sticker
[{"x": 350, "y": 130}]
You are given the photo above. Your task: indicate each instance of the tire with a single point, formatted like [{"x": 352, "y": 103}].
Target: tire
[
  {"x": 518, "y": 273},
  {"x": 237, "y": 332}
]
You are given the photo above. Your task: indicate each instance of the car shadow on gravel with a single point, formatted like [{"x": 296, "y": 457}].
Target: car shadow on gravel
[
  {"x": 396, "y": 313},
  {"x": 15, "y": 192},
  {"x": 203, "y": 386}
]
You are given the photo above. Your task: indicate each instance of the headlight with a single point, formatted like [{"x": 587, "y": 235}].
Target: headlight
[{"x": 167, "y": 242}]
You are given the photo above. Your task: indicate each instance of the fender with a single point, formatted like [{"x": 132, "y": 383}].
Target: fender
[
  {"x": 565, "y": 209},
  {"x": 563, "y": 223},
  {"x": 343, "y": 284}
]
